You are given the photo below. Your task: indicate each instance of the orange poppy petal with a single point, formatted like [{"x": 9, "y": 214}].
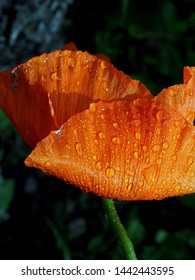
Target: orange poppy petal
[
  {"x": 182, "y": 97},
  {"x": 72, "y": 47},
  {"x": 125, "y": 150},
  {"x": 41, "y": 94}
]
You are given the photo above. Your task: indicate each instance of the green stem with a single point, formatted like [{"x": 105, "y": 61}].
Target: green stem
[{"x": 119, "y": 229}]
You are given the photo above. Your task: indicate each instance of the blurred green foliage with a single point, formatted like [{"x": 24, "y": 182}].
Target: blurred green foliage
[{"x": 42, "y": 217}]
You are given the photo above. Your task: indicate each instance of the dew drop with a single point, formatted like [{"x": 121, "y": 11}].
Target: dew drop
[
  {"x": 137, "y": 135},
  {"x": 102, "y": 116},
  {"x": 79, "y": 149},
  {"x": 159, "y": 116},
  {"x": 172, "y": 182},
  {"x": 54, "y": 76},
  {"x": 176, "y": 123},
  {"x": 48, "y": 163},
  {"x": 110, "y": 172},
  {"x": 151, "y": 174},
  {"x": 28, "y": 63},
  {"x": 67, "y": 146},
  {"x": 70, "y": 62},
  {"x": 159, "y": 161},
  {"x": 45, "y": 59},
  {"x": 171, "y": 92},
  {"x": 136, "y": 155},
  {"x": 116, "y": 140},
  {"x": 92, "y": 107},
  {"x": 101, "y": 135},
  {"x": 126, "y": 181},
  {"x": 43, "y": 78},
  {"x": 98, "y": 165},
  {"x": 94, "y": 157},
  {"x": 104, "y": 85},
  {"x": 115, "y": 125},
  {"x": 144, "y": 148},
  {"x": 136, "y": 122},
  {"x": 155, "y": 148},
  {"x": 103, "y": 65},
  {"x": 140, "y": 183},
  {"x": 135, "y": 145},
  {"x": 165, "y": 145},
  {"x": 190, "y": 160},
  {"x": 129, "y": 187},
  {"x": 75, "y": 132}
]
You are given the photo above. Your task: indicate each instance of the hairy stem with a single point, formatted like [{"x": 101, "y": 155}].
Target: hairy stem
[{"x": 124, "y": 241}]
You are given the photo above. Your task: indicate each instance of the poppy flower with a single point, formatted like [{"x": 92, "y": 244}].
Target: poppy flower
[{"x": 98, "y": 129}]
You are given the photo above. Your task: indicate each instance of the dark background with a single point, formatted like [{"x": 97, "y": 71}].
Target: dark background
[{"x": 42, "y": 217}]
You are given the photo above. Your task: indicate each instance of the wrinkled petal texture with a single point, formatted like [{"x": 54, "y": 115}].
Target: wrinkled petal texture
[
  {"x": 43, "y": 93},
  {"x": 126, "y": 150},
  {"x": 182, "y": 97}
]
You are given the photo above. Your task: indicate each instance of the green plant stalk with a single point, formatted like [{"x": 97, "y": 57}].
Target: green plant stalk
[{"x": 124, "y": 241}]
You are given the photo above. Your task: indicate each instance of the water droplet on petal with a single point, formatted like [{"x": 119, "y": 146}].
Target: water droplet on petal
[
  {"x": 190, "y": 160},
  {"x": 129, "y": 187},
  {"x": 116, "y": 140},
  {"x": 110, "y": 172},
  {"x": 172, "y": 182},
  {"x": 103, "y": 65},
  {"x": 151, "y": 174},
  {"x": 140, "y": 183},
  {"x": 43, "y": 78},
  {"x": 48, "y": 163},
  {"x": 159, "y": 116},
  {"x": 70, "y": 62},
  {"x": 94, "y": 157},
  {"x": 54, "y": 76},
  {"x": 115, "y": 125},
  {"x": 159, "y": 161},
  {"x": 98, "y": 165},
  {"x": 67, "y": 146},
  {"x": 92, "y": 107},
  {"x": 136, "y": 155},
  {"x": 137, "y": 135},
  {"x": 101, "y": 135},
  {"x": 155, "y": 148},
  {"x": 176, "y": 123},
  {"x": 171, "y": 92},
  {"x": 144, "y": 148},
  {"x": 165, "y": 145},
  {"x": 104, "y": 86},
  {"x": 79, "y": 149},
  {"x": 102, "y": 116}
]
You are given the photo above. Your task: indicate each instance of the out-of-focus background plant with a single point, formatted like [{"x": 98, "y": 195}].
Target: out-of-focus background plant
[{"x": 42, "y": 217}]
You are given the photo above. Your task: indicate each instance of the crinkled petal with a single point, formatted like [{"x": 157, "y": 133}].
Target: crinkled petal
[
  {"x": 182, "y": 97},
  {"x": 125, "y": 150},
  {"x": 44, "y": 92}
]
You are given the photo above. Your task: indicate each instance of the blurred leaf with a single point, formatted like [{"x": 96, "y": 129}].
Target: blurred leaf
[
  {"x": 6, "y": 195},
  {"x": 136, "y": 231},
  {"x": 188, "y": 200}
]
